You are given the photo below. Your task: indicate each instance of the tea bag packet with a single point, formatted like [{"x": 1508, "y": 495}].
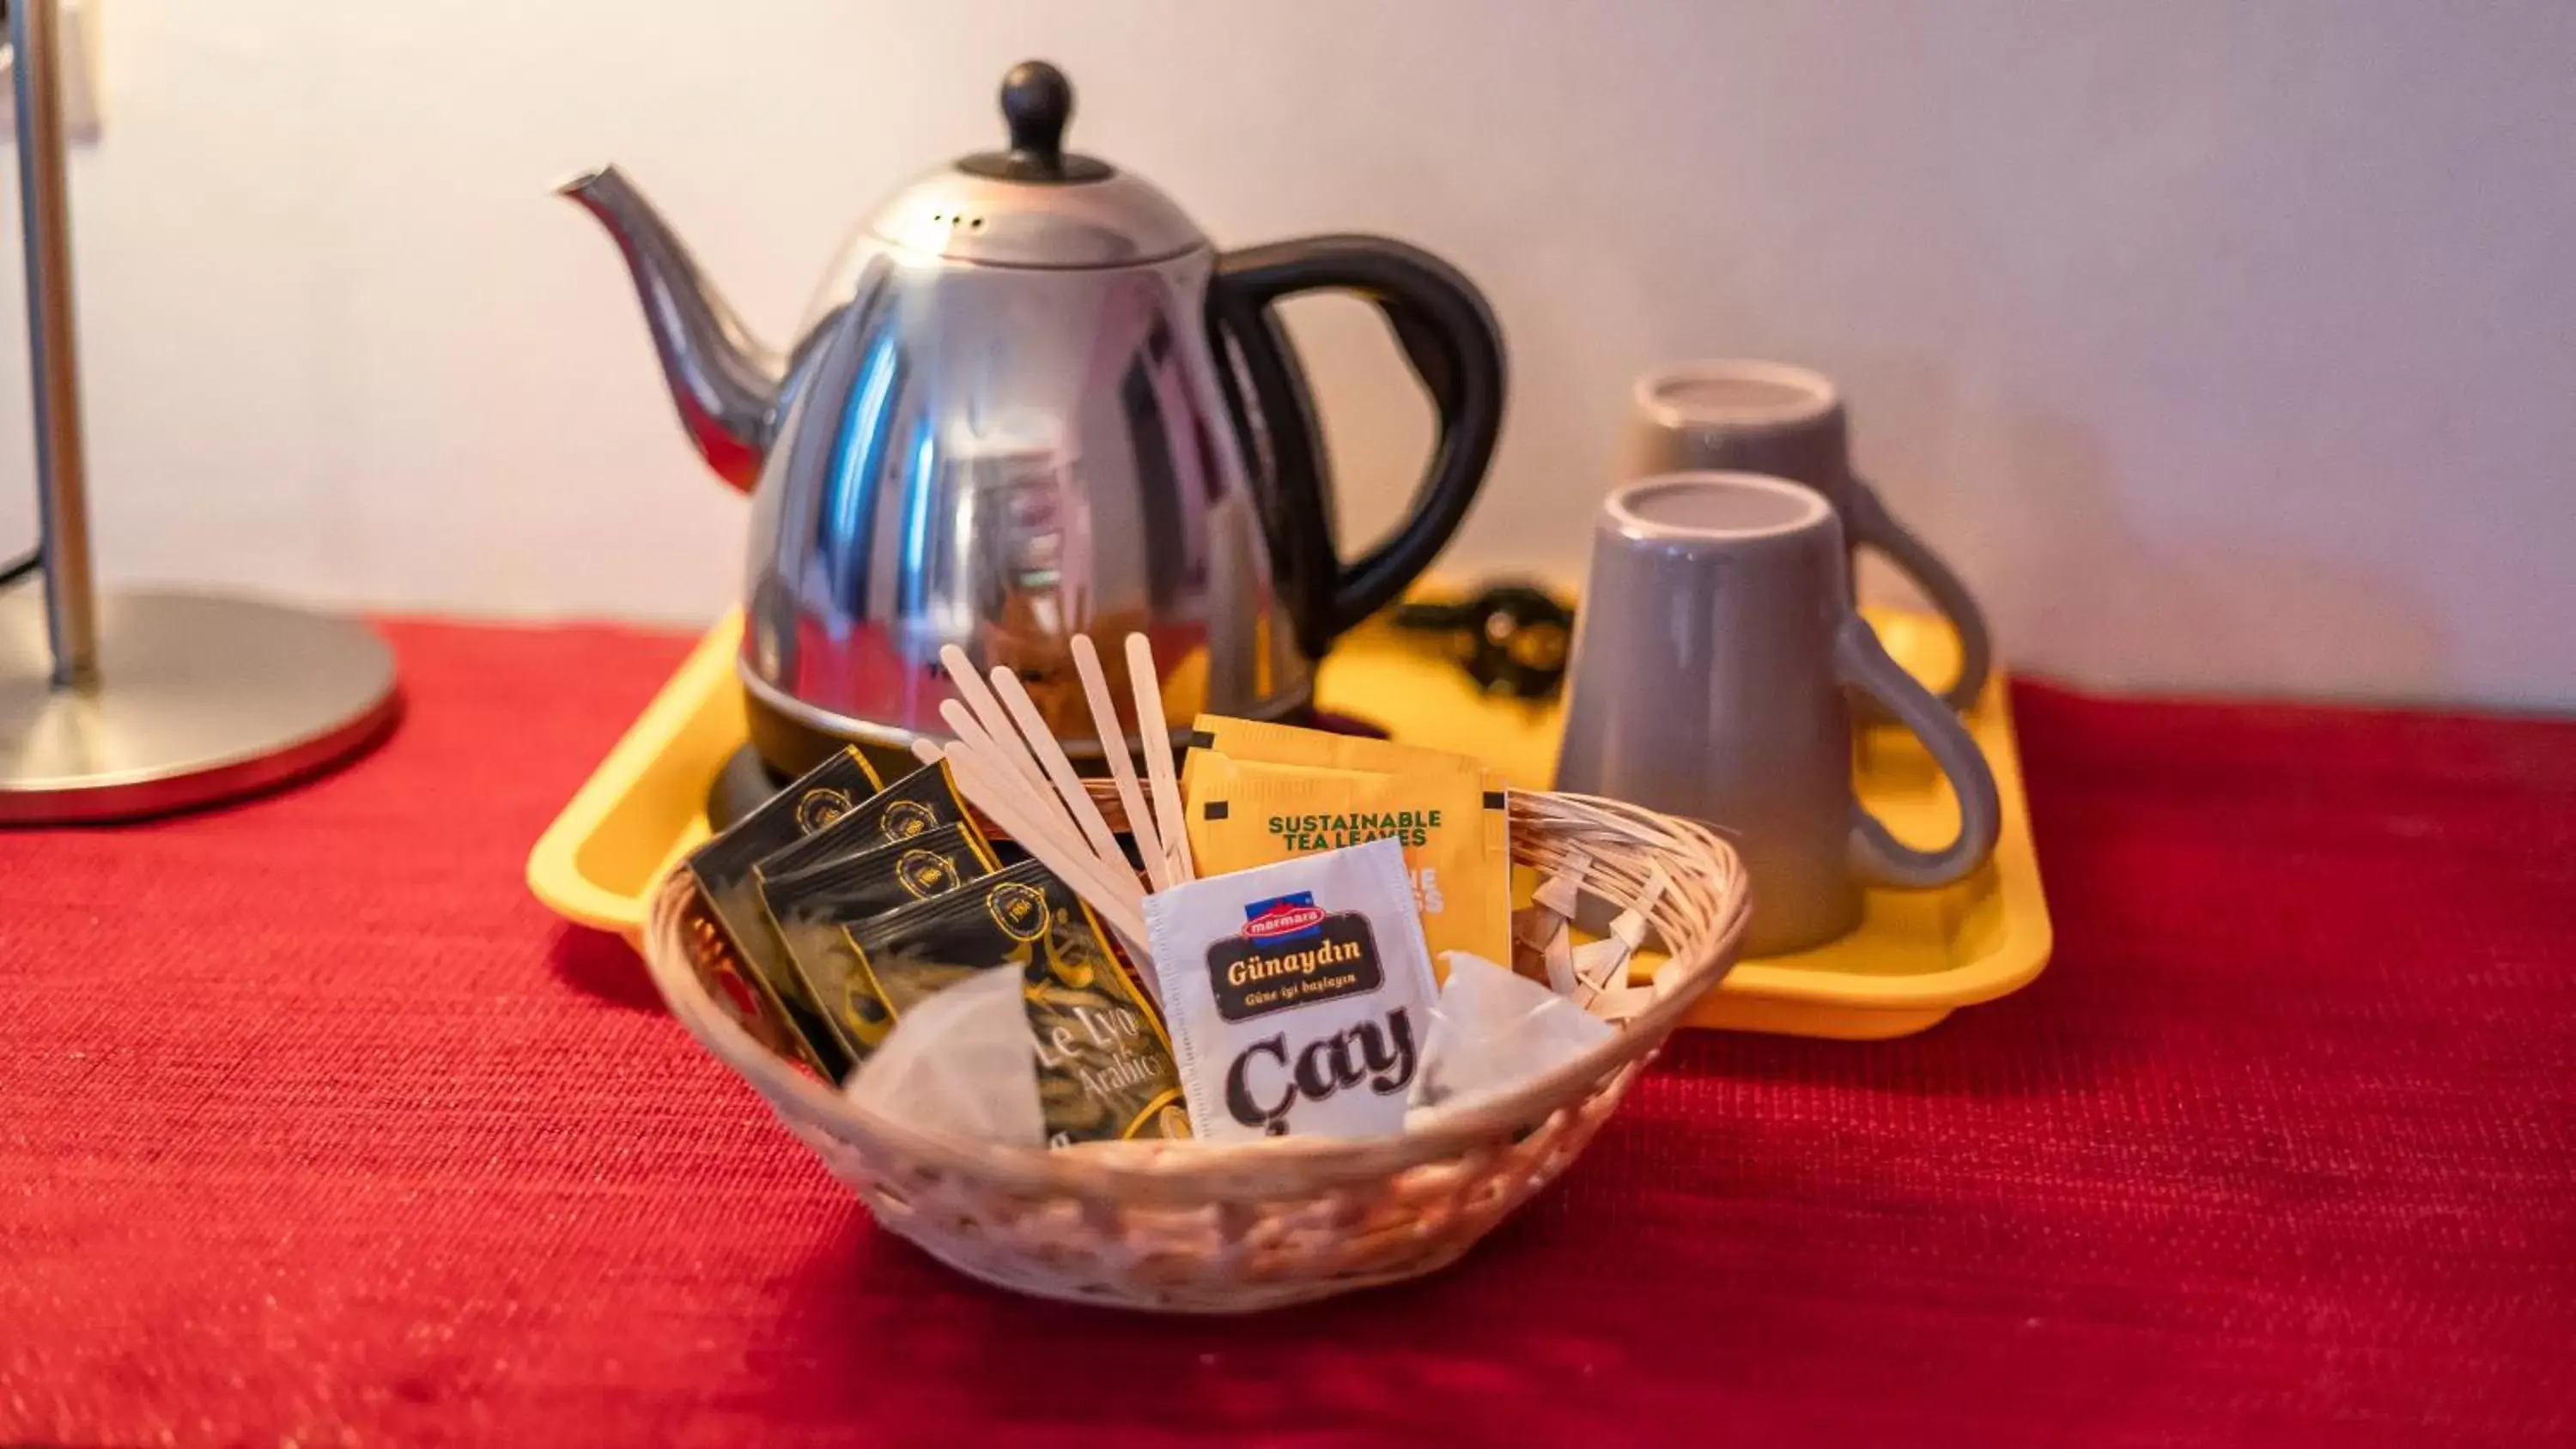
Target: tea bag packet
[
  {"x": 964, "y": 1065},
  {"x": 1264, "y": 742},
  {"x": 1243, "y": 814},
  {"x": 923, "y": 800},
  {"x": 1279, "y": 744},
  {"x": 1492, "y": 1030},
  {"x": 1296, "y": 993},
  {"x": 765, "y": 998},
  {"x": 811, "y": 909},
  {"x": 1105, "y": 1069},
  {"x": 883, "y": 878}
]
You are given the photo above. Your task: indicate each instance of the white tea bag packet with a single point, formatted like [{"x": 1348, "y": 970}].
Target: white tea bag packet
[
  {"x": 1492, "y": 1030},
  {"x": 1296, "y": 994},
  {"x": 961, "y": 1063}
]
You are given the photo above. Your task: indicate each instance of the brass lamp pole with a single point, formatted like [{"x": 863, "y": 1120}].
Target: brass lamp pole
[{"x": 140, "y": 703}]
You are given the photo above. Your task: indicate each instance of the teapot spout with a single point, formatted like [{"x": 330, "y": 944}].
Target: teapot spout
[{"x": 722, "y": 379}]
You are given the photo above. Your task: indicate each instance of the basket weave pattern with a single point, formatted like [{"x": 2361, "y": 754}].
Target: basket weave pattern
[{"x": 1222, "y": 1228}]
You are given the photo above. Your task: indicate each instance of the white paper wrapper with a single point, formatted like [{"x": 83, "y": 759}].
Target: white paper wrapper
[
  {"x": 961, "y": 1063},
  {"x": 1492, "y": 1030},
  {"x": 1296, "y": 994}
]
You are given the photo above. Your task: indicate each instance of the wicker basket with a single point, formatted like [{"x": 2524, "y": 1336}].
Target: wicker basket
[{"x": 1208, "y": 1228}]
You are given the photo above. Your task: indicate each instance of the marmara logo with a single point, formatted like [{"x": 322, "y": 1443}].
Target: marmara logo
[{"x": 1284, "y": 917}]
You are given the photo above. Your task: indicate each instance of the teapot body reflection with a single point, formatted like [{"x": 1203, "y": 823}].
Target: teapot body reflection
[{"x": 1031, "y": 400}]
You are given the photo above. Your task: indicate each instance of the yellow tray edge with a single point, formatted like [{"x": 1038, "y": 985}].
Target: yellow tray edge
[{"x": 695, "y": 721}]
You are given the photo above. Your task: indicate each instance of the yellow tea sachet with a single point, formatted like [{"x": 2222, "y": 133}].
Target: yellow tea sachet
[
  {"x": 1279, "y": 744},
  {"x": 1246, "y": 813},
  {"x": 1224, "y": 737}
]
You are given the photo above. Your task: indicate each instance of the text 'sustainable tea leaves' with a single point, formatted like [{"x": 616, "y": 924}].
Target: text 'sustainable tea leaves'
[{"x": 1451, "y": 828}]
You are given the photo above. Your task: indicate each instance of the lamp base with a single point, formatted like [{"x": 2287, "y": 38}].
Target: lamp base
[{"x": 199, "y": 698}]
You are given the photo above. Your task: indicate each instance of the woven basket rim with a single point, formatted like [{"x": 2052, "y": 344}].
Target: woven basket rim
[{"x": 1192, "y": 1172}]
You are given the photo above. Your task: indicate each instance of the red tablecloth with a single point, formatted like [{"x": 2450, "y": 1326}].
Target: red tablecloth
[{"x": 314, "y": 1128}]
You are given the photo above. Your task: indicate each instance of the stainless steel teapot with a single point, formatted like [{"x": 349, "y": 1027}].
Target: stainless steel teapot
[{"x": 1030, "y": 400}]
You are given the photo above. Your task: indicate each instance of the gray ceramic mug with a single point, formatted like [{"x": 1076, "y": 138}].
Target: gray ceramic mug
[
  {"x": 1768, "y": 417},
  {"x": 1712, "y": 656}
]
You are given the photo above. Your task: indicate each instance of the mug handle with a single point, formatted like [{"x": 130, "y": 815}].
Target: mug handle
[
  {"x": 1877, "y": 857},
  {"x": 1873, "y": 525}
]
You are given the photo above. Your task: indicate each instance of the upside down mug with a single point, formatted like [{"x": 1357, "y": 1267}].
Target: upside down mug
[
  {"x": 1715, "y": 658},
  {"x": 1788, "y": 422}
]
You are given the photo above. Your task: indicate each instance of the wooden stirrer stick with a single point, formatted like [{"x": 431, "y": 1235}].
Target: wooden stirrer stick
[
  {"x": 981, "y": 783},
  {"x": 988, "y": 711},
  {"x": 1031, "y": 806},
  {"x": 1007, "y": 756},
  {"x": 1059, "y": 769},
  {"x": 1156, "y": 741},
  {"x": 1113, "y": 742},
  {"x": 1113, "y": 894}
]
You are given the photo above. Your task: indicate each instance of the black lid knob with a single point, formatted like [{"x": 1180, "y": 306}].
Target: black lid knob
[{"x": 1036, "y": 102}]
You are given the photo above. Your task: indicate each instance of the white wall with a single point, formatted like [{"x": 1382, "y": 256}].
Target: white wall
[{"x": 2227, "y": 346}]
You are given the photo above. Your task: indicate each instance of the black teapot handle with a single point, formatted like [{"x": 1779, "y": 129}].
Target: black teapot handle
[{"x": 1449, "y": 339}]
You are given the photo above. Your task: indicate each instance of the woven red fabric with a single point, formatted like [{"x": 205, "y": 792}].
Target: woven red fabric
[{"x": 314, "y": 1128}]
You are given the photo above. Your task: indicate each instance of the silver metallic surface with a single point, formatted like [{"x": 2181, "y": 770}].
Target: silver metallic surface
[
  {"x": 999, "y": 458},
  {"x": 721, "y": 378},
  {"x": 1002, "y": 426},
  {"x": 62, "y": 468},
  {"x": 1120, "y": 220},
  {"x": 142, "y": 704},
  {"x": 203, "y": 698}
]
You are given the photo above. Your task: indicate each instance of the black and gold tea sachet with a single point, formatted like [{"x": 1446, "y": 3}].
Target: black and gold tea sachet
[
  {"x": 1105, "y": 1068},
  {"x": 750, "y": 979},
  {"x": 812, "y": 907},
  {"x": 921, "y": 801}
]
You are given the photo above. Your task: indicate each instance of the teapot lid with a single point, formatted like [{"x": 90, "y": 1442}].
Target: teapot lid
[{"x": 1036, "y": 204}]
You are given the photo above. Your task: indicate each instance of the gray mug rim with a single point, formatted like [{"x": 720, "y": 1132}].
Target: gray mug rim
[
  {"x": 1823, "y": 398},
  {"x": 1617, "y": 512}
]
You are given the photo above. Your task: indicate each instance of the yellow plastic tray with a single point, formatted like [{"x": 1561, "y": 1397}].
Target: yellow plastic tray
[{"x": 1916, "y": 956}]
